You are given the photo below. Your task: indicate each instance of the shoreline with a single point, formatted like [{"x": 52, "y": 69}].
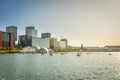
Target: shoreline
[
  {"x": 21, "y": 51},
  {"x": 11, "y": 51}
]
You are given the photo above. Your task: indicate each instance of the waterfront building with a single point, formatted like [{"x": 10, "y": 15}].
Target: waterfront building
[
  {"x": 6, "y": 40},
  {"x": 46, "y": 35},
  {"x": 64, "y": 43},
  {"x": 25, "y": 40},
  {"x": 12, "y": 29},
  {"x": 54, "y": 43},
  {"x": 35, "y": 33},
  {"x": 41, "y": 42},
  {"x": 30, "y": 31},
  {"x": 82, "y": 46},
  {"x": 112, "y": 48},
  {"x": 94, "y": 48}
]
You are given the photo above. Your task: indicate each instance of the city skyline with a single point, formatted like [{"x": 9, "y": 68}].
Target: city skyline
[{"x": 88, "y": 22}]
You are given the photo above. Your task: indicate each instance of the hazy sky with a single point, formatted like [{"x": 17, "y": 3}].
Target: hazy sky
[{"x": 87, "y": 22}]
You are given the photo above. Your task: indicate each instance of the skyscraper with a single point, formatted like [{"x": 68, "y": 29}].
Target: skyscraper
[
  {"x": 12, "y": 29},
  {"x": 30, "y": 31}
]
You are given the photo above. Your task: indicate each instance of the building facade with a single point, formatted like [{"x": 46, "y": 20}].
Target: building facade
[
  {"x": 64, "y": 43},
  {"x": 40, "y": 42},
  {"x": 46, "y": 35},
  {"x": 30, "y": 31},
  {"x": 113, "y": 48},
  {"x": 54, "y": 43},
  {"x": 12, "y": 29},
  {"x": 6, "y": 40},
  {"x": 25, "y": 40}
]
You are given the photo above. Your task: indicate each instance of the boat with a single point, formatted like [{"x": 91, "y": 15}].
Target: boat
[
  {"x": 78, "y": 54},
  {"x": 51, "y": 54},
  {"x": 62, "y": 53},
  {"x": 109, "y": 54}
]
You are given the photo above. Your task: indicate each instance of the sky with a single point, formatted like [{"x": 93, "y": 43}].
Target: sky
[{"x": 87, "y": 22}]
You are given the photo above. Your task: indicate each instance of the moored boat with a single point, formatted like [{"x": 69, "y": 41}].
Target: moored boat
[{"x": 78, "y": 54}]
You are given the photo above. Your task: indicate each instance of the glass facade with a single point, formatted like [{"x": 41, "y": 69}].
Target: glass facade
[
  {"x": 40, "y": 42},
  {"x": 12, "y": 29},
  {"x": 5, "y": 40},
  {"x": 25, "y": 40},
  {"x": 30, "y": 31},
  {"x": 5, "y": 37}
]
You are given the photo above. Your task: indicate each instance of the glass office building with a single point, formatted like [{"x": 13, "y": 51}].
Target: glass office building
[
  {"x": 12, "y": 29},
  {"x": 40, "y": 42},
  {"x": 30, "y": 31},
  {"x": 25, "y": 40}
]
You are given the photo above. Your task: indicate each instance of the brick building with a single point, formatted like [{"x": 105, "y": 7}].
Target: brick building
[{"x": 6, "y": 40}]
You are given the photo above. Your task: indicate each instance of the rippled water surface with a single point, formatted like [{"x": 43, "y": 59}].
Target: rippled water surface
[{"x": 94, "y": 66}]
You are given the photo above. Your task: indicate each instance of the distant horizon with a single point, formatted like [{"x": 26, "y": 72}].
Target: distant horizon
[
  {"x": 87, "y": 22},
  {"x": 68, "y": 40}
]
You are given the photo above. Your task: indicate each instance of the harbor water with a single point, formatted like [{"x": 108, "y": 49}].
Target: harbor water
[{"x": 65, "y": 66}]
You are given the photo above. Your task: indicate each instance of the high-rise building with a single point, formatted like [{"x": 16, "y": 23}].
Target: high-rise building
[
  {"x": 64, "y": 43},
  {"x": 54, "y": 43},
  {"x": 6, "y": 40},
  {"x": 30, "y": 31},
  {"x": 46, "y": 35},
  {"x": 12, "y": 29},
  {"x": 25, "y": 40}
]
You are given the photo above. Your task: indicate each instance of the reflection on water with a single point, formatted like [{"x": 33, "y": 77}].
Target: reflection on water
[{"x": 95, "y": 66}]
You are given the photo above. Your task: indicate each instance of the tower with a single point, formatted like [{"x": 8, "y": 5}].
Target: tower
[
  {"x": 30, "y": 31},
  {"x": 12, "y": 29}
]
